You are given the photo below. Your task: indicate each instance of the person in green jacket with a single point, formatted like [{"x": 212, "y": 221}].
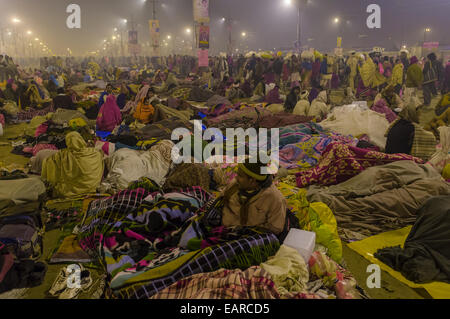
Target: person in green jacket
[
  {"x": 414, "y": 75},
  {"x": 414, "y": 80}
]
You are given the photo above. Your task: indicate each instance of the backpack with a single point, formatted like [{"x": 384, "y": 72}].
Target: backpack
[
  {"x": 291, "y": 221},
  {"x": 22, "y": 235}
]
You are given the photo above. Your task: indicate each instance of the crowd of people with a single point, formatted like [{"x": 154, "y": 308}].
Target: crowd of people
[{"x": 103, "y": 126}]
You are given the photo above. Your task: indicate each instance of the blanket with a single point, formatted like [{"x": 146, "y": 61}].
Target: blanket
[
  {"x": 252, "y": 283},
  {"x": 425, "y": 255},
  {"x": 341, "y": 162},
  {"x": 381, "y": 198}
]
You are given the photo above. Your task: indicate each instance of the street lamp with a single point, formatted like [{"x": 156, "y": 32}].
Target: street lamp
[
  {"x": 336, "y": 20},
  {"x": 29, "y": 32},
  {"x": 244, "y": 34},
  {"x": 300, "y": 4},
  {"x": 427, "y": 30},
  {"x": 15, "y": 20},
  {"x": 188, "y": 30}
]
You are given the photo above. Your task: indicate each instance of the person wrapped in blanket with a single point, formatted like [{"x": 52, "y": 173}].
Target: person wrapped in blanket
[
  {"x": 73, "y": 171},
  {"x": 37, "y": 94},
  {"x": 147, "y": 109},
  {"x": 253, "y": 200},
  {"x": 406, "y": 136},
  {"x": 109, "y": 115}
]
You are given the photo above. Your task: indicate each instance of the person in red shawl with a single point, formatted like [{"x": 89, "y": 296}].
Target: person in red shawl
[
  {"x": 274, "y": 96},
  {"x": 109, "y": 115}
]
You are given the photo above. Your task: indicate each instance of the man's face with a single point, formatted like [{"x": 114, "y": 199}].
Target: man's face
[
  {"x": 109, "y": 89},
  {"x": 245, "y": 182}
]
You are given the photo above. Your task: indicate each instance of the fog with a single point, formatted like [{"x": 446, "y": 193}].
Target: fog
[{"x": 268, "y": 24}]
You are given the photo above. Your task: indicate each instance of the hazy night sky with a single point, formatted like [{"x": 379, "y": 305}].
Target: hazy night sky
[{"x": 268, "y": 23}]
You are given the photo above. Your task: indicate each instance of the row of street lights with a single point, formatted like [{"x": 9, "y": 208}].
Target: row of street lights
[{"x": 30, "y": 50}]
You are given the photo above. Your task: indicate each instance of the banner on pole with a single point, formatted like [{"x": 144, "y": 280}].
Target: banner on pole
[
  {"x": 132, "y": 37},
  {"x": 339, "y": 42},
  {"x": 201, "y": 9},
  {"x": 154, "y": 32},
  {"x": 203, "y": 59},
  {"x": 431, "y": 45},
  {"x": 134, "y": 49},
  {"x": 203, "y": 37}
]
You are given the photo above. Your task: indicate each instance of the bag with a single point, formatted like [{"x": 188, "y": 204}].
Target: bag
[
  {"x": 22, "y": 236},
  {"x": 442, "y": 156},
  {"x": 291, "y": 221}
]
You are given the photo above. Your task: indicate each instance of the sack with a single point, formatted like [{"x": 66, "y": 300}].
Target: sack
[
  {"x": 442, "y": 157},
  {"x": 22, "y": 236}
]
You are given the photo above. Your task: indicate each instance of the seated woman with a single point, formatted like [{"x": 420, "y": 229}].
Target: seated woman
[
  {"x": 392, "y": 99},
  {"x": 260, "y": 90},
  {"x": 126, "y": 94},
  {"x": 109, "y": 115},
  {"x": 37, "y": 93},
  {"x": 10, "y": 93},
  {"x": 438, "y": 121},
  {"x": 62, "y": 100},
  {"x": 73, "y": 171},
  {"x": 234, "y": 92},
  {"x": 273, "y": 97},
  {"x": 302, "y": 106},
  {"x": 253, "y": 200},
  {"x": 291, "y": 99},
  {"x": 145, "y": 110},
  {"x": 406, "y": 136},
  {"x": 319, "y": 108}
]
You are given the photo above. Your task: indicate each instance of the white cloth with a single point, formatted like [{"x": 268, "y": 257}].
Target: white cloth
[
  {"x": 22, "y": 191},
  {"x": 127, "y": 165},
  {"x": 442, "y": 156},
  {"x": 352, "y": 120},
  {"x": 288, "y": 270}
]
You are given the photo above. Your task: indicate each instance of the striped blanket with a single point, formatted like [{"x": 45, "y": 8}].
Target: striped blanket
[{"x": 241, "y": 253}]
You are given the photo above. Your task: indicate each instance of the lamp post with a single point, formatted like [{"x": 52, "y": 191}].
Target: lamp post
[
  {"x": 427, "y": 30},
  {"x": 15, "y": 21},
  {"x": 301, "y": 4}
]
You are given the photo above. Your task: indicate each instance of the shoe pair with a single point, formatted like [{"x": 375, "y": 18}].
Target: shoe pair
[{"x": 61, "y": 289}]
